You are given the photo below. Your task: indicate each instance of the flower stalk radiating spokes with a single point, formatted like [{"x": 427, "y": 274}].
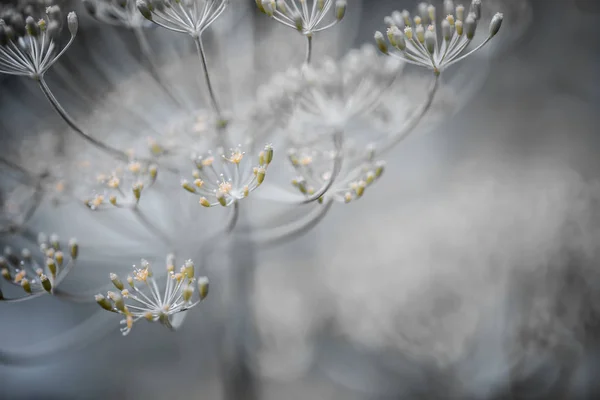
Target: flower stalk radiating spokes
[
  {"x": 307, "y": 20},
  {"x": 192, "y": 17},
  {"x": 38, "y": 277},
  {"x": 417, "y": 40},
  {"x": 144, "y": 299},
  {"x": 31, "y": 50},
  {"x": 228, "y": 178}
]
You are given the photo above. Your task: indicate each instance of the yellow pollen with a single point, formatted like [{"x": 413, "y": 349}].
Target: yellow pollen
[
  {"x": 98, "y": 200},
  {"x": 225, "y": 187},
  {"x": 135, "y": 167},
  {"x": 141, "y": 274},
  {"x": 236, "y": 157},
  {"x": 114, "y": 182},
  {"x": 306, "y": 160},
  {"x": 198, "y": 182},
  {"x": 19, "y": 277},
  {"x": 208, "y": 161}
]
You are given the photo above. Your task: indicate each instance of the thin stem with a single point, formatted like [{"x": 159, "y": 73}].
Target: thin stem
[
  {"x": 152, "y": 66},
  {"x": 338, "y": 139},
  {"x": 202, "y": 56},
  {"x": 309, "y": 49},
  {"x": 415, "y": 120},
  {"x": 156, "y": 231},
  {"x": 61, "y": 111}
]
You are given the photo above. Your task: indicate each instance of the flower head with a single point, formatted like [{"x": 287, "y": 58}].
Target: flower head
[
  {"x": 142, "y": 298},
  {"x": 122, "y": 187},
  {"x": 185, "y": 16},
  {"x": 436, "y": 45},
  {"x": 39, "y": 272},
  {"x": 313, "y": 166},
  {"x": 29, "y": 47},
  {"x": 225, "y": 179},
  {"x": 305, "y": 18}
]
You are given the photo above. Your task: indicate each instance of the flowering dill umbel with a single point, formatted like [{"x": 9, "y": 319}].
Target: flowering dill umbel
[
  {"x": 42, "y": 272},
  {"x": 142, "y": 298},
  {"x": 184, "y": 16},
  {"x": 29, "y": 48},
  {"x": 315, "y": 168},
  {"x": 418, "y": 41},
  {"x": 307, "y": 19},
  {"x": 123, "y": 187},
  {"x": 228, "y": 178}
]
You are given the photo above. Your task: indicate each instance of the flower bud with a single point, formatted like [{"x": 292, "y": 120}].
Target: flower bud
[
  {"x": 446, "y": 30},
  {"x": 6, "y": 274},
  {"x": 72, "y": 23},
  {"x": 144, "y": 9},
  {"x": 470, "y": 26},
  {"x": 103, "y": 302},
  {"x": 298, "y": 21},
  {"x": 221, "y": 198},
  {"x": 189, "y": 269},
  {"x": 203, "y": 287},
  {"x": 32, "y": 28},
  {"x": 137, "y": 190},
  {"x": 420, "y": 32},
  {"x": 187, "y": 186},
  {"x": 268, "y": 154},
  {"x": 269, "y": 7},
  {"x": 204, "y": 201},
  {"x": 381, "y": 42},
  {"x": 340, "y": 9},
  {"x": 460, "y": 12},
  {"x": 26, "y": 285},
  {"x": 118, "y": 300},
  {"x": 46, "y": 284},
  {"x": 431, "y": 13},
  {"x": 459, "y": 27},
  {"x": 54, "y": 13},
  {"x": 116, "y": 281},
  {"x": 496, "y": 23},
  {"x": 448, "y": 7},
  {"x": 51, "y": 265},
  {"x": 187, "y": 293},
  {"x": 476, "y": 9},
  {"x": 260, "y": 175},
  {"x": 59, "y": 257},
  {"x": 430, "y": 41},
  {"x": 74, "y": 248}
]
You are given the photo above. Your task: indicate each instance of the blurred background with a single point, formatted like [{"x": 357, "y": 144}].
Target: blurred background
[{"x": 469, "y": 272}]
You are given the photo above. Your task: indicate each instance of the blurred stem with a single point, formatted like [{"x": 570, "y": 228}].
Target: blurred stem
[
  {"x": 239, "y": 381},
  {"x": 67, "y": 118},
  {"x": 309, "y": 49},
  {"x": 146, "y": 50},
  {"x": 152, "y": 228},
  {"x": 213, "y": 98}
]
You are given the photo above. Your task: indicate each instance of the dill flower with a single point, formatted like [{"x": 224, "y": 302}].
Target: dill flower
[
  {"x": 226, "y": 179},
  {"x": 39, "y": 273},
  {"x": 123, "y": 187},
  {"x": 142, "y": 298},
  {"x": 418, "y": 41},
  {"x": 31, "y": 48}
]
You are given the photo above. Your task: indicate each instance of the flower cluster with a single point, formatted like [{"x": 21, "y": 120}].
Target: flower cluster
[
  {"x": 143, "y": 299},
  {"x": 29, "y": 47},
  {"x": 228, "y": 178},
  {"x": 123, "y": 187},
  {"x": 297, "y": 14},
  {"x": 418, "y": 41},
  {"x": 39, "y": 273},
  {"x": 185, "y": 16},
  {"x": 315, "y": 168}
]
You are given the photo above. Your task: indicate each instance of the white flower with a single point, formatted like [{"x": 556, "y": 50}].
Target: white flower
[
  {"x": 307, "y": 19},
  {"x": 185, "y": 16},
  {"x": 226, "y": 179},
  {"x": 31, "y": 49},
  {"x": 39, "y": 273},
  {"x": 144, "y": 299},
  {"x": 418, "y": 41}
]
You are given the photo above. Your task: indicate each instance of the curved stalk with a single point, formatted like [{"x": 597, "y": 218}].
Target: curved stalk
[
  {"x": 202, "y": 57},
  {"x": 65, "y": 116},
  {"x": 338, "y": 140},
  {"x": 153, "y": 69},
  {"x": 309, "y": 49},
  {"x": 410, "y": 125}
]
